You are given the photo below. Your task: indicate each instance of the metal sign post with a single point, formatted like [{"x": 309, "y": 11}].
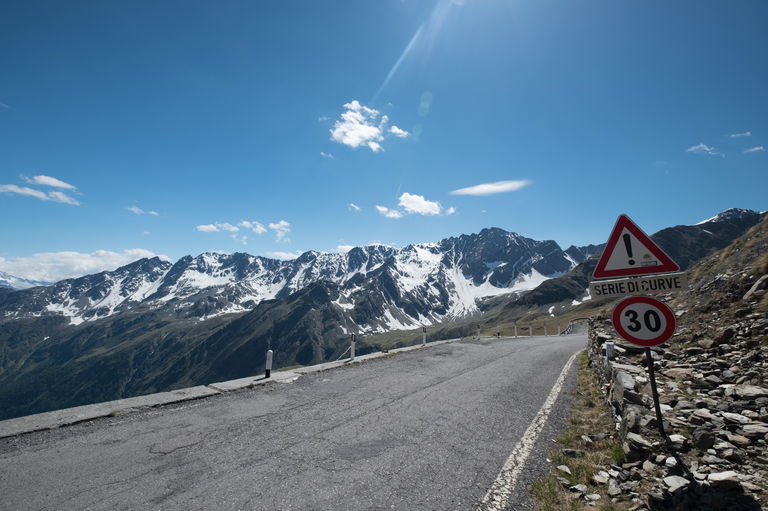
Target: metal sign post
[
  {"x": 647, "y": 322},
  {"x": 641, "y": 320},
  {"x": 656, "y": 405}
]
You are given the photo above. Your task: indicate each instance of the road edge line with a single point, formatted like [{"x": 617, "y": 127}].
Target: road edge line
[{"x": 497, "y": 497}]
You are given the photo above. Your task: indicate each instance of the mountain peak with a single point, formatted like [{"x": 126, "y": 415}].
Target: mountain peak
[{"x": 731, "y": 214}]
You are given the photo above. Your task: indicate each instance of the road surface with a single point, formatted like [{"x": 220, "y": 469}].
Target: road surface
[{"x": 428, "y": 429}]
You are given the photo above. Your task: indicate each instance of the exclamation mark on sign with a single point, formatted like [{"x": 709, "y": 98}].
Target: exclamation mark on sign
[{"x": 628, "y": 245}]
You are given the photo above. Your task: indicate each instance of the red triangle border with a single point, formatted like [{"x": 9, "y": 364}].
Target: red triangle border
[{"x": 623, "y": 222}]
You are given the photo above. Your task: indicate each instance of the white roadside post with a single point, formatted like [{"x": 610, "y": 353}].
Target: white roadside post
[
  {"x": 558, "y": 329},
  {"x": 515, "y": 330},
  {"x": 609, "y": 353},
  {"x": 478, "y": 333},
  {"x": 423, "y": 336},
  {"x": 268, "y": 369},
  {"x": 352, "y": 348},
  {"x": 530, "y": 331},
  {"x": 545, "y": 330}
]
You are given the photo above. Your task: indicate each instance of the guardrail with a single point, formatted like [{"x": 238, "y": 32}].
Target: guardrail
[{"x": 516, "y": 331}]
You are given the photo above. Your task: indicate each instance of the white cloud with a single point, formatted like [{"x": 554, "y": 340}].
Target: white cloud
[
  {"x": 55, "y": 266},
  {"x": 399, "y": 133},
  {"x": 343, "y": 249},
  {"x": 737, "y": 135},
  {"x": 23, "y": 190},
  {"x": 49, "y": 181},
  {"x": 702, "y": 148},
  {"x": 415, "y": 204},
  {"x": 234, "y": 230},
  {"x": 255, "y": 226},
  {"x": 3, "y": 105},
  {"x": 326, "y": 155},
  {"x": 281, "y": 228},
  {"x": 492, "y": 188},
  {"x": 354, "y": 207},
  {"x": 138, "y": 211},
  {"x": 754, "y": 149},
  {"x": 360, "y": 125},
  {"x": 228, "y": 227},
  {"x": 418, "y": 204},
  {"x": 54, "y": 196},
  {"x": 63, "y": 197},
  {"x": 207, "y": 228},
  {"x": 389, "y": 213},
  {"x": 217, "y": 227},
  {"x": 283, "y": 255}
]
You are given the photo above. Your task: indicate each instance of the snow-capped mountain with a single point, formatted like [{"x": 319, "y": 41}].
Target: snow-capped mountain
[
  {"x": 381, "y": 287},
  {"x": 730, "y": 215},
  {"x": 12, "y": 282},
  {"x": 152, "y": 326}
]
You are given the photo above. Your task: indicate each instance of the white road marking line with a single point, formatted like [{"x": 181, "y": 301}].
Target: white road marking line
[{"x": 501, "y": 489}]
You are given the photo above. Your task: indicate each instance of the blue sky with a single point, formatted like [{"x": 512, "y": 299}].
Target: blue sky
[{"x": 252, "y": 126}]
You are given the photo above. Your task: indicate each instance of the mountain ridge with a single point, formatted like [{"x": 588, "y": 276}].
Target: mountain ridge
[
  {"x": 46, "y": 362},
  {"x": 468, "y": 267}
]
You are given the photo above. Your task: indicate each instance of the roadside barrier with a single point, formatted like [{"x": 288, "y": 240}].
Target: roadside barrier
[{"x": 268, "y": 369}]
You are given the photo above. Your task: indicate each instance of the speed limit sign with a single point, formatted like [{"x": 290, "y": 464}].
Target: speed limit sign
[{"x": 643, "y": 320}]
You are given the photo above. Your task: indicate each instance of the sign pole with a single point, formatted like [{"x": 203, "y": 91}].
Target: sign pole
[{"x": 656, "y": 405}]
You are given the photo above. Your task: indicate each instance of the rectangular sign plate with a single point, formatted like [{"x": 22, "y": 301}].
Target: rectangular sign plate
[{"x": 652, "y": 285}]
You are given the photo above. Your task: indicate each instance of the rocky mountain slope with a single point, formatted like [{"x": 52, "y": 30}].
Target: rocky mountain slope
[{"x": 713, "y": 385}]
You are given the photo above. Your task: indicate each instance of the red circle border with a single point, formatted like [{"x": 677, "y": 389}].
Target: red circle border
[{"x": 663, "y": 307}]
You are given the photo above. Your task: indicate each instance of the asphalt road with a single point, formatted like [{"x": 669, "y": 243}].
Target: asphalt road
[{"x": 428, "y": 429}]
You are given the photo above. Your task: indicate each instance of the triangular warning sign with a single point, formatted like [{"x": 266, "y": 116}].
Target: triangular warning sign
[{"x": 630, "y": 251}]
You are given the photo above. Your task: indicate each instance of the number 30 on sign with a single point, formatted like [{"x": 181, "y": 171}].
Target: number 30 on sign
[{"x": 644, "y": 320}]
